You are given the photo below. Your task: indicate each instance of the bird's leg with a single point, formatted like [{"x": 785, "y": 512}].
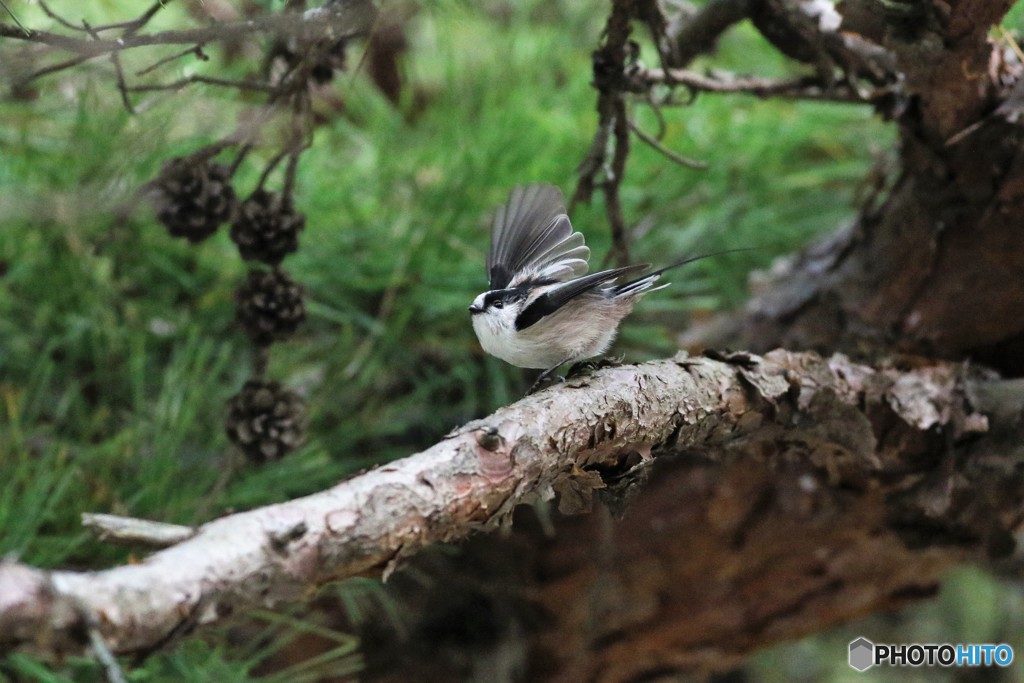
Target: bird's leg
[{"x": 547, "y": 373}]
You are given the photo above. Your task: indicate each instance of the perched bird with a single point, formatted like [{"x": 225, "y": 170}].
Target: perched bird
[{"x": 542, "y": 309}]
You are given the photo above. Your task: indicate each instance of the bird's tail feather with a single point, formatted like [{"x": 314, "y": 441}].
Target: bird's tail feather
[{"x": 644, "y": 284}]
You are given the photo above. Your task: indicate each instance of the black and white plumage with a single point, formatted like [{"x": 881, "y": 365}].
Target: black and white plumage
[{"x": 543, "y": 309}]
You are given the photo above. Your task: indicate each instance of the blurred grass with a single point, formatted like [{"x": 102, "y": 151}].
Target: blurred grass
[{"x": 116, "y": 344}]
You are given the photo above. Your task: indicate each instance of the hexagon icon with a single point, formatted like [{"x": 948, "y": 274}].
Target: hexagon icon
[{"x": 862, "y": 654}]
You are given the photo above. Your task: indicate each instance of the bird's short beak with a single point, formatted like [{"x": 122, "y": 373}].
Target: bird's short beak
[{"x": 474, "y": 309}]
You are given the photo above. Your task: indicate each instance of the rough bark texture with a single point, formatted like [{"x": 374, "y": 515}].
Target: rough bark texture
[
  {"x": 934, "y": 263},
  {"x": 834, "y": 509},
  {"x": 859, "y": 447}
]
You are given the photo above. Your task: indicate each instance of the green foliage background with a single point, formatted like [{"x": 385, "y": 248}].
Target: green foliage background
[{"x": 117, "y": 349}]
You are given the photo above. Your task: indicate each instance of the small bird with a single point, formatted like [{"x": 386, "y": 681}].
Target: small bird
[{"x": 542, "y": 309}]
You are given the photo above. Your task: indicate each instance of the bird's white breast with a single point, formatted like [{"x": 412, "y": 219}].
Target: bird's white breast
[{"x": 567, "y": 335}]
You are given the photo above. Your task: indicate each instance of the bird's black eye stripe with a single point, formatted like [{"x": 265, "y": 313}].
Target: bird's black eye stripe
[
  {"x": 499, "y": 297},
  {"x": 493, "y": 297}
]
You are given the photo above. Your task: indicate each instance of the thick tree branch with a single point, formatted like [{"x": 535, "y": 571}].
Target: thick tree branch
[
  {"x": 595, "y": 435},
  {"x": 692, "y": 36},
  {"x": 806, "y": 32}
]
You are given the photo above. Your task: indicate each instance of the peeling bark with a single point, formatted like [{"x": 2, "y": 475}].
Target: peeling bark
[{"x": 793, "y": 466}]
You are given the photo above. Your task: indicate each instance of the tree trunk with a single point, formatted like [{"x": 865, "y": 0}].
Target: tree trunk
[{"x": 934, "y": 264}]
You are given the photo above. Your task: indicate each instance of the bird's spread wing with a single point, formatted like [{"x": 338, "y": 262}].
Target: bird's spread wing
[
  {"x": 558, "y": 295},
  {"x": 532, "y": 238}
]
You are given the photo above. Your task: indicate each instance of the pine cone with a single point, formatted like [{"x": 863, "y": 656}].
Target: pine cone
[
  {"x": 269, "y": 306},
  {"x": 324, "y": 58},
  {"x": 265, "y": 420},
  {"x": 267, "y": 228},
  {"x": 194, "y": 198}
]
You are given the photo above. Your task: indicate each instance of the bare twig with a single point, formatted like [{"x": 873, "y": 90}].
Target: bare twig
[
  {"x": 271, "y": 165},
  {"x": 59, "y": 66},
  {"x": 111, "y": 668},
  {"x": 611, "y": 185},
  {"x": 243, "y": 151},
  {"x": 332, "y": 22},
  {"x": 658, "y": 114},
  {"x": 132, "y": 530},
  {"x": 609, "y": 63},
  {"x": 115, "y": 60},
  {"x": 196, "y": 50},
  {"x": 290, "y": 171},
  {"x": 208, "y": 80},
  {"x": 300, "y": 138},
  {"x": 336, "y": 21},
  {"x": 59, "y": 19},
  {"x": 662, "y": 149},
  {"x": 70, "y": 607},
  {"x": 807, "y": 88},
  {"x": 617, "y": 73},
  {"x": 135, "y": 25},
  {"x": 1011, "y": 41}
]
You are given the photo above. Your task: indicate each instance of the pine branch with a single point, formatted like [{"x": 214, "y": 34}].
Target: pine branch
[{"x": 582, "y": 439}]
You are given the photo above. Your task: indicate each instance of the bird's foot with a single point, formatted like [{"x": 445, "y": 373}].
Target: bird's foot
[
  {"x": 545, "y": 375},
  {"x": 588, "y": 366}
]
